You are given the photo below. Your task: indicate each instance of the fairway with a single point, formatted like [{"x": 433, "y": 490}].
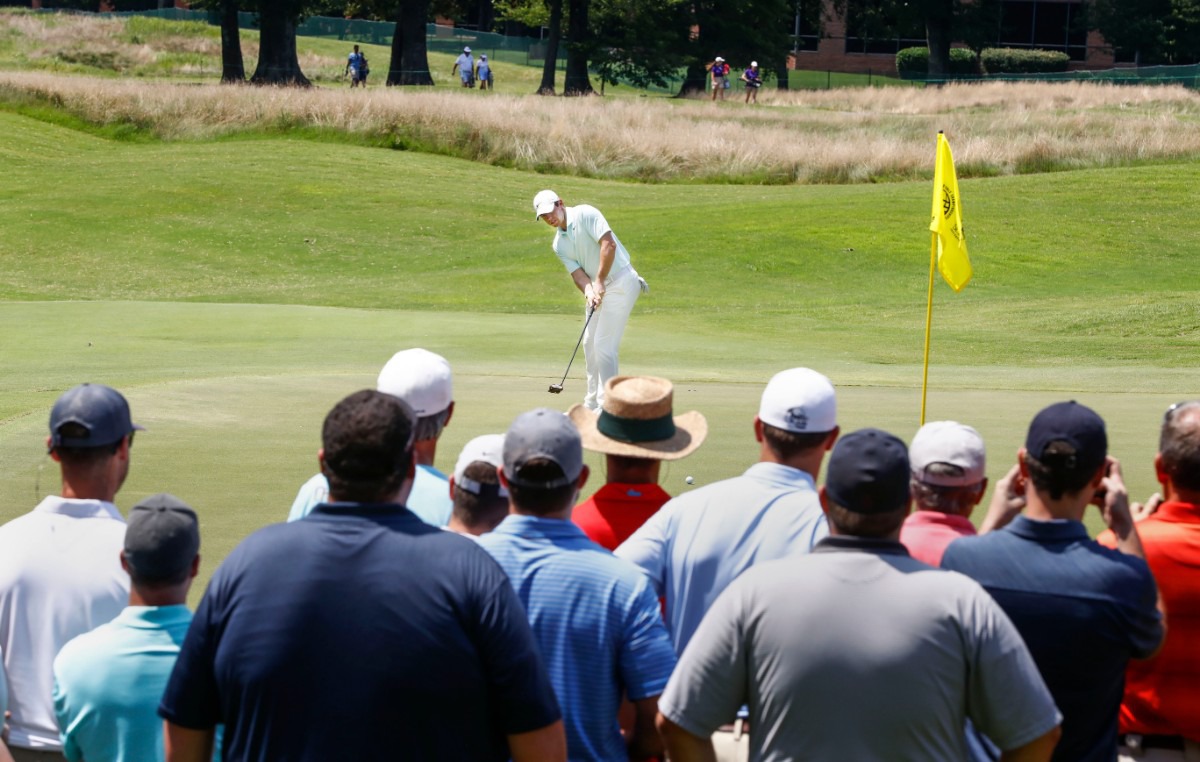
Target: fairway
[{"x": 236, "y": 289}]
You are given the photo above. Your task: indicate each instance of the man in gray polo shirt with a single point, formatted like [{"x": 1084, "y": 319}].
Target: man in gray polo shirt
[{"x": 858, "y": 651}]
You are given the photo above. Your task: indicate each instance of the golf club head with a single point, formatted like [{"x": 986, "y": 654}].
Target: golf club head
[{"x": 555, "y": 389}]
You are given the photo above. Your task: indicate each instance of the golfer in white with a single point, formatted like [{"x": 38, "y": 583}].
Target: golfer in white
[{"x": 601, "y": 269}]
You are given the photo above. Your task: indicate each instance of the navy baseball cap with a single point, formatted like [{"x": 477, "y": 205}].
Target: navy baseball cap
[
  {"x": 868, "y": 472},
  {"x": 543, "y": 434},
  {"x": 100, "y": 411},
  {"x": 1078, "y": 426},
  {"x": 162, "y": 537}
]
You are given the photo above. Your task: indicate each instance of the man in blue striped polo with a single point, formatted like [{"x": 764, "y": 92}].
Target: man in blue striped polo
[{"x": 596, "y": 620}]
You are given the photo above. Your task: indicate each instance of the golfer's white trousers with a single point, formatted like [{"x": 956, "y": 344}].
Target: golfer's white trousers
[{"x": 602, "y": 339}]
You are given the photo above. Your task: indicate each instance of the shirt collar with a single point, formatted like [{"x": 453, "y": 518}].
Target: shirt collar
[
  {"x": 153, "y": 617},
  {"x": 534, "y": 527},
  {"x": 619, "y": 490},
  {"x": 777, "y": 473},
  {"x": 841, "y": 543},
  {"x": 1048, "y": 531},
  {"x": 937, "y": 518},
  {"x": 1178, "y": 512},
  {"x": 79, "y": 509},
  {"x": 362, "y": 509}
]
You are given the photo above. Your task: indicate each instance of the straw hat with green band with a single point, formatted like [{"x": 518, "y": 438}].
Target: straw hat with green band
[{"x": 638, "y": 421}]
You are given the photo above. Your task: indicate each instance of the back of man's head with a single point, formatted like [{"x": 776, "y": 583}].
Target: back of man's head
[
  {"x": 543, "y": 460},
  {"x": 1065, "y": 448},
  {"x": 798, "y": 411},
  {"x": 422, "y": 379},
  {"x": 162, "y": 539},
  {"x": 1179, "y": 446},
  {"x": 949, "y": 466},
  {"x": 367, "y": 442},
  {"x": 88, "y": 423},
  {"x": 866, "y": 492},
  {"x": 480, "y": 501}
]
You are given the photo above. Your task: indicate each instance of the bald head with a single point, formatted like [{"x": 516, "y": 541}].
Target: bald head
[{"x": 1179, "y": 447}]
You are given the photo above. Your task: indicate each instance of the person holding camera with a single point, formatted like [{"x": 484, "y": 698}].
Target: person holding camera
[{"x": 753, "y": 79}]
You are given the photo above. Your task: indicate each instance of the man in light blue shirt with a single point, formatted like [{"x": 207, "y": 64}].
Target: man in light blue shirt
[
  {"x": 108, "y": 682},
  {"x": 595, "y": 618},
  {"x": 422, "y": 379},
  {"x": 600, "y": 268},
  {"x": 702, "y": 540}
]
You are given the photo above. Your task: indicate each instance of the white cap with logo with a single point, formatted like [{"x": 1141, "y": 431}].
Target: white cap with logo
[
  {"x": 799, "y": 400},
  {"x": 489, "y": 449},
  {"x": 951, "y": 443},
  {"x": 419, "y": 377},
  {"x": 544, "y": 202}
]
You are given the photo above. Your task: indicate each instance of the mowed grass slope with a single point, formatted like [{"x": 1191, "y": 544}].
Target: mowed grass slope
[{"x": 236, "y": 289}]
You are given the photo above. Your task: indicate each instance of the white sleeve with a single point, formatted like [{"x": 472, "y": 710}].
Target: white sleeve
[
  {"x": 594, "y": 223},
  {"x": 314, "y": 492}
]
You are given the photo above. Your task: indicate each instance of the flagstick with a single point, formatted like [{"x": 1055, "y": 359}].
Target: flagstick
[{"x": 928, "y": 320}]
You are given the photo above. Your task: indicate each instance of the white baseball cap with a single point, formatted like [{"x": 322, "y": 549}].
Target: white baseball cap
[
  {"x": 544, "y": 202},
  {"x": 466, "y": 50},
  {"x": 753, "y": 64},
  {"x": 489, "y": 449},
  {"x": 420, "y": 378},
  {"x": 948, "y": 442},
  {"x": 799, "y": 400}
]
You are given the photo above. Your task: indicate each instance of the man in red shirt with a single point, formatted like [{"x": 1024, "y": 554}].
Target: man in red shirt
[
  {"x": 636, "y": 430},
  {"x": 1160, "y": 712}
]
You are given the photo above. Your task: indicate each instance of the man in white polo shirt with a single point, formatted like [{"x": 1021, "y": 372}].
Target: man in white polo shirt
[
  {"x": 599, "y": 265},
  {"x": 60, "y": 569}
]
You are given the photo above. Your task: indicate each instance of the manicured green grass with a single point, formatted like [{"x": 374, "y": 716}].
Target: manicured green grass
[{"x": 236, "y": 289}]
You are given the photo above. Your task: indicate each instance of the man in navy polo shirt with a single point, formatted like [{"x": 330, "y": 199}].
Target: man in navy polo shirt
[
  {"x": 362, "y": 633},
  {"x": 1084, "y": 610},
  {"x": 595, "y": 617}
]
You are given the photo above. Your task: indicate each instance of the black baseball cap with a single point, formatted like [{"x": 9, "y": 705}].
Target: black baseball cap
[
  {"x": 100, "y": 410},
  {"x": 868, "y": 472},
  {"x": 1076, "y": 425},
  {"x": 161, "y": 538}
]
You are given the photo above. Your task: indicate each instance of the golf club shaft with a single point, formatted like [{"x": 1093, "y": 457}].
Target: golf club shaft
[{"x": 581, "y": 333}]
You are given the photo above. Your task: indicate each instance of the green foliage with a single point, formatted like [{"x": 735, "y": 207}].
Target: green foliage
[
  {"x": 913, "y": 63},
  {"x": 638, "y": 41},
  {"x": 1020, "y": 61}
]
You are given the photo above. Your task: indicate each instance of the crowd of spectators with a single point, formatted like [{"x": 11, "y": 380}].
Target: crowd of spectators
[{"x": 492, "y": 615}]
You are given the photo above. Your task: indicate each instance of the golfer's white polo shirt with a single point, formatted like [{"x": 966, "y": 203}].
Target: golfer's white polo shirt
[
  {"x": 60, "y": 576},
  {"x": 579, "y": 245}
]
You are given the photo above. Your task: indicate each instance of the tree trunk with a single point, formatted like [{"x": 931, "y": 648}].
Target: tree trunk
[
  {"x": 576, "y": 81},
  {"x": 781, "y": 74},
  {"x": 695, "y": 81},
  {"x": 277, "y": 61},
  {"x": 550, "y": 66},
  {"x": 937, "y": 31},
  {"x": 233, "y": 70},
  {"x": 410, "y": 56}
]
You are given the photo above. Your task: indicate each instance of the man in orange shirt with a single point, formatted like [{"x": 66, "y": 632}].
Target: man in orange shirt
[
  {"x": 1160, "y": 712},
  {"x": 636, "y": 430}
]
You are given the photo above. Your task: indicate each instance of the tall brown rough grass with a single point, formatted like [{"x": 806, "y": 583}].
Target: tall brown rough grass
[{"x": 853, "y": 135}]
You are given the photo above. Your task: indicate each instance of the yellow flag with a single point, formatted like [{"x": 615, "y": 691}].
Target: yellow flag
[{"x": 946, "y": 220}]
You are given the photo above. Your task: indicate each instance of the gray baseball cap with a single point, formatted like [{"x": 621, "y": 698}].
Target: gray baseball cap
[
  {"x": 161, "y": 538},
  {"x": 100, "y": 410},
  {"x": 543, "y": 434}
]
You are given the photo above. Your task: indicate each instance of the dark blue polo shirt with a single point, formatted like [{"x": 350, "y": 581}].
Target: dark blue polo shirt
[
  {"x": 360, "y": 633},
  {"x": 1084, "y": 610}
]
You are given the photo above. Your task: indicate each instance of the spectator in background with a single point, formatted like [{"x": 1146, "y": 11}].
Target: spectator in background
[
  {"x": 483, "y": 72},
  {"x": 362, "y": 632},
  {"x": 636, "y": 432},
  {"x": 108, "y": 682},
  {"x": 59, "y": 570},
  {"x": 465, "y": 66},
  {"x": 356, "y": 65},
  {"x": 858, "y": 651},
  {"x": 422, "y": 379},
  {"x": 597, "y": 623},
  {"x": 949, "y": 467},
  {"x": 1083, "y": 610},
  {"x": 480, "y": 501},
  {"x": 719, "y": 71},
  {"x": 1160, "y": 711},
  {"x": 753, "y": 80}
]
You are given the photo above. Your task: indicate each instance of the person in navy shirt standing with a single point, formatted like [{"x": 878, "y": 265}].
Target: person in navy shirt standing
[{"x": 362, "y": 633}]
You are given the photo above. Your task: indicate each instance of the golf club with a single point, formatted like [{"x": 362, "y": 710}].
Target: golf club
[{"x": 557, "y": 388}]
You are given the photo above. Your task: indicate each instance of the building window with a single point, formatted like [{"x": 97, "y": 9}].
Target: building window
[{"x": 1044, "y": 25}]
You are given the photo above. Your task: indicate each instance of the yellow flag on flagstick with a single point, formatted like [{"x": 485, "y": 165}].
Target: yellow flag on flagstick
[{"x": 946, "y": 220}]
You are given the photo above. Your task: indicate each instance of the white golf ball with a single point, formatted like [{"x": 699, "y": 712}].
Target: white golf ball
[{"x": 689, "y": 480}]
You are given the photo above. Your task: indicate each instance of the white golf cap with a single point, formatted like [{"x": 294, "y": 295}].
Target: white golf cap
[
  {"x": 484, "y": 56},
  {"x": 951, "y": 443},
  {"x": 420, "y": 378},
  {"x": 544, "y": 202},
  {"x": 753, "y": 64},
  {"x": 489, "y": 449},
  {"x": 466, "y": 50},
  {"x": 799, "y": 400},
  {"x": 720, "y": 60}
]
